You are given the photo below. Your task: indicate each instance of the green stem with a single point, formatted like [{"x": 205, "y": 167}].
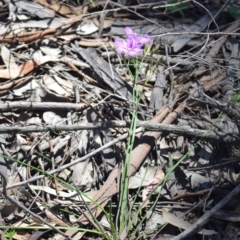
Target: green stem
[{"x": 126, "y": 166}]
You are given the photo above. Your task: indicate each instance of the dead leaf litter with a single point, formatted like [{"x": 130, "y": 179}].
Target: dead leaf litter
[{"x": 66, "y": 106}]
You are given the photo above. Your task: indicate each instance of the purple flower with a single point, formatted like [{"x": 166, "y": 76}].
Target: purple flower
[
  {"x": 132, "y": 46},
  {"x": 129, "y": 47},
  {"x": 140, "y": 39}
]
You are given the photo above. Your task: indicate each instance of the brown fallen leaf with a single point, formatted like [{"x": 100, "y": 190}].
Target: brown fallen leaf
[
  {"x": 23, "y": 69},
  {"x": 94, "y": 42},
  {"x": 54, "y": 219},
  {"x": 159, "y": 175},
  {"x": 178, "y": 222},
  {"x": 107, "y": 23},
  {"x": 62, "y": 9}
]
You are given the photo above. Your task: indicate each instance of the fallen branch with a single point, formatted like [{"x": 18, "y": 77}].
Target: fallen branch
[
  {"x": 42, "y": 106},
  {"x": 155, "y": 127}
]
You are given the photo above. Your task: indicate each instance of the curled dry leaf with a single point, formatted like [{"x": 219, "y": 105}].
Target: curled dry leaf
[
  {"x": 107, "y": 23},
  {"x": 86, "y": 28}
]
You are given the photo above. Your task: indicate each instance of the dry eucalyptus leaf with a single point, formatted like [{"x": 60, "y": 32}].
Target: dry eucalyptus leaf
[
  {"x": 31, "y": 7},
  {"x": 82, "y": 174},
  {"x": 73, "y": 195},
  {"x": 178, "y": 222},
  {"x": 34, "y": 121},
  {"x": 54, "y": 52},
  {"x": 158, "y": 177},
  {"x": 59, "y": 7},
  {"x": 52, "y": 118},
  {"x": 83, "y": 142},
  {"x": 60, "y": 145},
  {"x": 86, "y": 28},
  {"x": 197, "y": 26},
  {"x": 153, "y": 221},
  {"x": 54, "y": 219},
  {"x": 27, "y": 67},
  {"x": 9, "y": 61},
  {"x": 143, "y": 177},
  {"x": 198, "y": 181},
  {"x": 107, "y": 23},
  {"x": 59, "y": 86},
  {"x": 8, "y": 58},
  {"x": 166, "y": 149}
]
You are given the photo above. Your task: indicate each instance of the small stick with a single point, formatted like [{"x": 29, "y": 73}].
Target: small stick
[
  {"x": 15, "y": 202},
  {"x": 204, "y": 219}
]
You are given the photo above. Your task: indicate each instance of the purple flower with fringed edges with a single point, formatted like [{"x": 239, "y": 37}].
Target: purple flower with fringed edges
[
  {"x": 140, "y": 39},
  {"x": 132, "y": 46}
]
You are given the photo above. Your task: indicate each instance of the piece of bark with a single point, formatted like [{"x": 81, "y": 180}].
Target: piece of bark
[
  {"x": 157, "y": 93},
  {"x": 104, "y": 71}
]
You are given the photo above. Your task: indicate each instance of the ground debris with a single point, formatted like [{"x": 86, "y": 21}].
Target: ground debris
[{"x": 67, "y": 105}]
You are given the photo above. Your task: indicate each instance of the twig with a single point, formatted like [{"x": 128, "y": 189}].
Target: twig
[
  {"x": 226, "y": 108},
  {"x": 198, "y": 33},
  {"x": 201, "y": 221},
  {"x": 53, "y": 167},
  {"x": 45, "y": 180},
  {"x": 61, "y": 168},
  {"x": 217, "y": 165},
  {"x": 4, "y": 191},
  {"x": 191, "y": 194},
  {"x": 42, "y": 106},
  {"x": 155, "y": 127}
]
